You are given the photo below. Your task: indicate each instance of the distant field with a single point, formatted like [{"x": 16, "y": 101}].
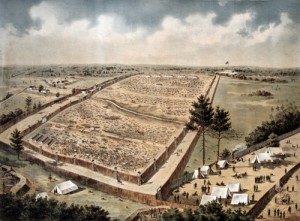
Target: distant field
[{"x": 246, "y": 112}]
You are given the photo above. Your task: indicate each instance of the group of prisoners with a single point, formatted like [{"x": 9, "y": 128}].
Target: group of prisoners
[
  {"x": 99, "y": 130},
  {"x": 168, "y": 96}
]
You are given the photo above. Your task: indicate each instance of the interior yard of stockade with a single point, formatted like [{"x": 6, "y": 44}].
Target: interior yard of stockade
[{"x": 126, "y": 125}]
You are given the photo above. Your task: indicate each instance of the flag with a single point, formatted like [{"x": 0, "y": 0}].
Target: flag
[{"x": 227, "y": 62}]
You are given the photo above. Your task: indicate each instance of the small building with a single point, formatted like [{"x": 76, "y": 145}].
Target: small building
[
  {"x": 261, "y": 158},
  {"x": 195, "y": 174},
  {"x": 207, "y": 198},
  {"x": 65, "y": 188},
  {"x": 222, "y": 164},
  {"x": 221, "y": 192},
  {"x": 43, "y": 195},
  {"x": 205, "y": 170},
  {"x": 234, "y": 187},
  {"x": 274, "y": 151},
  {"x": 240, "y": 199}
]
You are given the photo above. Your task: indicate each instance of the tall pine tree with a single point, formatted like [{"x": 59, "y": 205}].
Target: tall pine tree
[
  {"x": 221, "y": 123},
  {"x": 16, "y": 141},
  {"x": 202, "y": 115}
]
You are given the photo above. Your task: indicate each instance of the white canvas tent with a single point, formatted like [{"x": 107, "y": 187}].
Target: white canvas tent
[
  {"x": 222, "y": 192},
  {"x": 65, "y": 187},
  {"x": 274, "y": 151},
  {"x": 262, "y": 158},
  {"x": 234, "y": 187},
  {"x": 222, "y": 164},
  {"x": 43, "y": 195},
  {"x": 238, "y": 199},
  {"x": 205, "y": 170},
  {"x": 207, "y": 198},
  {"x": 196, "y": 174}
]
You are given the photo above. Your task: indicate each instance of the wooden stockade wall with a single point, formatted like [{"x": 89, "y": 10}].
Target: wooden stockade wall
[
  {"x": 267, "y": 197},
  {"x": 93, "y": 89},
  {"x": 258, "y": 146}
]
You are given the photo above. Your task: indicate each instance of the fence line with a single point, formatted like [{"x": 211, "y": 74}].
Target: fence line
[
  {"x": 255, "y": 147},
  {"x": 266, "y": 198}
]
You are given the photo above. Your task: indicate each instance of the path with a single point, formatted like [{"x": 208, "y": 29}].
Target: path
[{"x": 138, "y": 113}]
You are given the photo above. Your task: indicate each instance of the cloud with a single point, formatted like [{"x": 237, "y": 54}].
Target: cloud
[{"x": 195, "y": 39}]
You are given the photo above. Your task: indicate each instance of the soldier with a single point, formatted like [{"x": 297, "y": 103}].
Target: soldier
[{"x": 269, "y": 212}]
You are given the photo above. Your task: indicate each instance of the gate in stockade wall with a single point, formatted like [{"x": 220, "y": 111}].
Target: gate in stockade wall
[{"x": 187, "y": 177}]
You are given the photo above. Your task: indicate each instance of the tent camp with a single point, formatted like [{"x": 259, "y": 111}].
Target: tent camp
[
  {"x": 239, "y": 199},
  {"x": 222, "y": 192},
  {"x": 42, "y": 195},
  {"x": 274, "y": 151},
  {"x": 205, "y": 170},
  {"x": 262, "y": 158},
  {"x": 65, "y": 187},
  {"x": 234, "y": 187},
  {"x": 206, "y": 199},
  {"x": 222, "y": 164}
]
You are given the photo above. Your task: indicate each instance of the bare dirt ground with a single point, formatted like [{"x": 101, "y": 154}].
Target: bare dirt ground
[
  {"x": 165, "y": 95},
  {"x": 248, "y": 182},
  {"x": 97, "y": 130}
]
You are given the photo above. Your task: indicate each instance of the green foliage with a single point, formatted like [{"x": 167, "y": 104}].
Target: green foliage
[
  {"x": 220, "y": 123},
  {"x": 201, "y": 117},
  {"x": 210, "y": 212},
  {"x": 225, "y": 153},
  {"x": 16, "y": 141},
  {"x": 285, "y": 120},
  {"x": 28, "y": 103},
  {"x": 5, "y": 118},
  {"x": 273, "y": 140},
  {"x": 57, "y": 94},
  {"x": 28, "y": 208}
]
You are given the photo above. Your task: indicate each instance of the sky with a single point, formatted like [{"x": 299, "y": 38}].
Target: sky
[{"x": 174, "y": 32}]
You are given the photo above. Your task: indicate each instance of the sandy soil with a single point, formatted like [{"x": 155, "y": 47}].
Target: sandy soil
[
  {"x": 248, "y": 182},
  {"x": 165, "y": 95}
]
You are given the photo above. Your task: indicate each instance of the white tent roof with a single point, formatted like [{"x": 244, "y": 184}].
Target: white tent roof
[
  {"x": 273, "y": 151},
  {"x": 234, "y": 187},
  {"x": 196, "y": 174},
  {"x": 262, "y": 158},
  {"x": 222, "y": 163},
  {"x": 205, "y": 170},
  {"x": 206, "y": 198},
  {"x": 222, "y": 192},
  {"x": 43, "y": 195},
  {"x": 239, "y": 199},
  {"x": 65, "y": 187}
]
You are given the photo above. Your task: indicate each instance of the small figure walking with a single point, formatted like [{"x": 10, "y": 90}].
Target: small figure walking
[
  {"x": 269, "y": 212},
  {"x": 296, "y": 206},
  {"x": 290, "y": 209}
]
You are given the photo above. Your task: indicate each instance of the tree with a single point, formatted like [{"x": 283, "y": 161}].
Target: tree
[
  {"x": 34, "y": 106},
  {"x": 57, "y": 94},
  {"x": 41, "y": 87},
  {"x": 225, "y": 153},
  {"x": 202, "y": 115},
  {"x": 273, "y": 140},
  {"x": 28, "y": 102},
  {"x": 73, "y": 91},
  {"x": 16, "y": 141},
  {"x": 221, "y": 123},
  {"x": 172, "y": 214},
  {"x": 39, "y": 105}
]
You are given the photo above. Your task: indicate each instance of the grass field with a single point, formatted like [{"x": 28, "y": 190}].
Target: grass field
[{"x": 246, "y": 112}]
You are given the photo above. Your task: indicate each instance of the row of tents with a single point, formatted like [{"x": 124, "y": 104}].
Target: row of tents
[{"x": 231, "y": 190}]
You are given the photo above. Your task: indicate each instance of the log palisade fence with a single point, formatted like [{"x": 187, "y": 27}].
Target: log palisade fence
[
  {"x": 241, "y": 153},
  {"x": 139, "y": 178}
]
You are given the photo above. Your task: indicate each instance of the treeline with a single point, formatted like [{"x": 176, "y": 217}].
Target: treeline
[
  {"x": 285, "y": 120},
  {"x": 13, "y": 208},
  {"x": 210, "y": 212},
  {"x": 10, "y": 116}
]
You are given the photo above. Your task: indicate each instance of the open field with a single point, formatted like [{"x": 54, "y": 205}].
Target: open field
[{"x": 246, "y": 112}]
